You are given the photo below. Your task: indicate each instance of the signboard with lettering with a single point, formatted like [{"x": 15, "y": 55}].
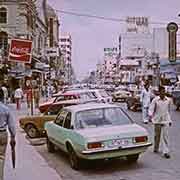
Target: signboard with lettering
[
  {"x": 136, "y": 24},
  {"x": 172, "y": 29},
  {"x": 110, "y": 51},
  {"x": 52, "y": 52},
  {"x": 20, "y": 51}
]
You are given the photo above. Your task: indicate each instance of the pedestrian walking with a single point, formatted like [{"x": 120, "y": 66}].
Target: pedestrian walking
[
  {"x": 5, "y": 91},
  {"x": 145, "y": 101},
  {"x": 28, "y": 97},
  {"x": 6, "y": 121},
  {"x": 18, "y": 95},
  {"x": 159, "y": 112},
  {"x": 36, "y": 96}
]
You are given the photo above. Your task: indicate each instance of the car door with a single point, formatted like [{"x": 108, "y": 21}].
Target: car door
[
  {"x": 58, "y": 132},
  {"x": 67, "y": 129}
]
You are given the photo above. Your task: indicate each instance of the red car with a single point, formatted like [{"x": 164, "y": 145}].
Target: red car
[{"x": 81, "y": 95}]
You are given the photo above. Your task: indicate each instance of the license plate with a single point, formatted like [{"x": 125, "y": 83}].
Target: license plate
[{"x": 120, "y": 142}]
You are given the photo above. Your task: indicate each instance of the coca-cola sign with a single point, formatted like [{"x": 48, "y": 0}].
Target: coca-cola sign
[{"x": 20, "y": 51}]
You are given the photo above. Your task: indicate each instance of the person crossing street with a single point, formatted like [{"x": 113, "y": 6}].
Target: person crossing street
[{"x": 159, "y": 111}]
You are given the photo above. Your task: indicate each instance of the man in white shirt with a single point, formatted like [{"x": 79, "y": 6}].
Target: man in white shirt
[
  {"x": 159, "y": 112},
  {"x": 5, "y": 90},
  {"x": 18, "y": 97},
  {"x": 145, "y": 101}
]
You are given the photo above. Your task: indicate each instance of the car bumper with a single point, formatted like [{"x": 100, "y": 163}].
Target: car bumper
[
  {"x": 113, "y": 152},
  {"x": 121, "y": 98}
]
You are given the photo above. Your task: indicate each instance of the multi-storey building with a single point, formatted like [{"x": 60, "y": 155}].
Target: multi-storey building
[
  {"x": 66, "y": 50},
  {"x": 17, "y": 20},
  {"x": 32, "y": 20}
]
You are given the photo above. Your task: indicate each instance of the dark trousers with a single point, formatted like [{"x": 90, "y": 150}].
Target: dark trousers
[{"x": 3, "y": 145}]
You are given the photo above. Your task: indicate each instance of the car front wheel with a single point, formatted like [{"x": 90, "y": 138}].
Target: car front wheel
[
  {"x": 31, "y": 131},
  {"x": 133, "y": 158}
]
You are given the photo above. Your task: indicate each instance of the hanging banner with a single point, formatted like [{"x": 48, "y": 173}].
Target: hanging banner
[{"x": 20, "y": 51}]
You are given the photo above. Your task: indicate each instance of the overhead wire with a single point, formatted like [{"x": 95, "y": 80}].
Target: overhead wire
[{"x": 102, "y": 17}]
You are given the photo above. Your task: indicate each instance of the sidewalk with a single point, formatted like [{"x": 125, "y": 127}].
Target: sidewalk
[{"x": 29, "y": 164}]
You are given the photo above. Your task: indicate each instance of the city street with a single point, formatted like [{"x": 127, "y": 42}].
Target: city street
[{"x": 149, "y": 167}]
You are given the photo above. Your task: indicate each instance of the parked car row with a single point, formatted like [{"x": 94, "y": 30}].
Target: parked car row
[{"x": 86, "y": 129}]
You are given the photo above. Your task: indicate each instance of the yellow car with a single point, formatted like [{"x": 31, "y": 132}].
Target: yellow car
[{"x": 34, "y": 125}]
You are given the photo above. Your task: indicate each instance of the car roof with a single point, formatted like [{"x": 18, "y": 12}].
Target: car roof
[
  {"x": 89, "y": 106},
  {"x": 71, "y": 92},
  {"x": 71, "y": 101}
]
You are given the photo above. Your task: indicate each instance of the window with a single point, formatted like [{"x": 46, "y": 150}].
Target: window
[
  {"x": 101, "y": 117},
  {"x": 3, "y": 15},
  {"x": 60, "y": 118},
  {"x": 3, "y": 40},
  {"x": 63, "y": 40},
  {"x": 53, "y": 110},
  {"x": 67, "y": 122}
]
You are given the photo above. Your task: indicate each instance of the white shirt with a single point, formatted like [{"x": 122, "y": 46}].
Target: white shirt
[
  {"x": 5, "y": 91},
  {"x": 18, "y": 93},
  {"x": 159, "y": 110},
  {"x": 145, "y": 97}
]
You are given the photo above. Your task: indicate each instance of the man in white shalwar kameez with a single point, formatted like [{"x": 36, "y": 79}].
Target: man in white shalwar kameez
[
  {"x": 145, "y": 99},
  {"x": 159, "y": 111}
]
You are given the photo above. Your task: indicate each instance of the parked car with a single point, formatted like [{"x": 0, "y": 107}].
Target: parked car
[
  {"x": 34, "y": 125},
  {"x": 83, "y": 95},
  {"x": 133, "y": 101},
  {"x": 176, "y": 95},
  {"x": 96, "y": 131},
  {"x": 120, "y": 95},
  {"x": 101, "y": 95}
]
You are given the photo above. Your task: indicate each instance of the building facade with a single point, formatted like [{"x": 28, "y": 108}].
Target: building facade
[
  {"x": 65, "y": 44},
  {"x": 35, "y": 21}
]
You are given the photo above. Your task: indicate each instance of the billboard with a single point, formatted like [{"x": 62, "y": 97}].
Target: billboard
[
  {"x": 136, "y": 24},
  {"x": 172, "y": 29},
  {"x": 20, "y": 51},
  {"x": 110, "y": 51}
]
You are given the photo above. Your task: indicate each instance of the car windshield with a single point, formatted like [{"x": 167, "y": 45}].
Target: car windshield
[{"x": 101, "y": 117}]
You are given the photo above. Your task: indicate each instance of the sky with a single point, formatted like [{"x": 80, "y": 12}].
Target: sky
[{"x": 91, "y": 36}]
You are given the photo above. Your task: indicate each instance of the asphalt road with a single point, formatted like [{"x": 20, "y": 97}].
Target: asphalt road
[{"x": 149, "y": 167}]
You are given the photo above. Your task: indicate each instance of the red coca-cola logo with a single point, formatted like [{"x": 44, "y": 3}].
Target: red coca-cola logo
[
  {"x": 17, "y": 50},
  {"x": 20, "y": 50}
]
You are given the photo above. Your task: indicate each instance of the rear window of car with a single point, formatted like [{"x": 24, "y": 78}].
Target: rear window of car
[{"x": 101, "y": 117}]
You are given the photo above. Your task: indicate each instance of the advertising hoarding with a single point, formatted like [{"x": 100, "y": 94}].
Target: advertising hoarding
[{"x": 20, "y": 51}]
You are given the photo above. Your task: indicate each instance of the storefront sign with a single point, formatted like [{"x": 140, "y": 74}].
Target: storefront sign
[
  {"x": 20, "y": 51},
  {"x": 52, "y": 52}
]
